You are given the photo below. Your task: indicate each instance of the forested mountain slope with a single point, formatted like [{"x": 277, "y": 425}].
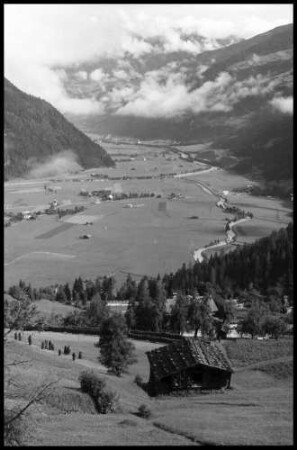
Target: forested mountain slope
[
  {"x": 265, "y": 264},
  {"x": 34, "y": 131}
]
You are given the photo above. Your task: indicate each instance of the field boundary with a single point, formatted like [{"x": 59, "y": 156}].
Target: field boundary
[{"x": 185, "y": 435}]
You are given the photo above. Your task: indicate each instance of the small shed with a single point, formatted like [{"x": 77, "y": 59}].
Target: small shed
[{"x": 190, "y": 363}]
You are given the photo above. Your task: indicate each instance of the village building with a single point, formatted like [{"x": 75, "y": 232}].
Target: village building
[
  {"x": 118, "y": 306},
  {"x": 189, "y": 363}
]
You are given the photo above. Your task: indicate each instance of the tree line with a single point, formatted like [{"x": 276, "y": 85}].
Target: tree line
[{"x": 260, "y": 275}]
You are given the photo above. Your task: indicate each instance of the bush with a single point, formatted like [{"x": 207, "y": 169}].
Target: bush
[
  {"x": 105, "y": 401},
  {"x": 144, "y": 411},
  {"x": 67, "y": 350}
]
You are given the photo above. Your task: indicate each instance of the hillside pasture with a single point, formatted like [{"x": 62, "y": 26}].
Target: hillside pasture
[
  {"x": 48, "y": 307},
  {"x": 257, "y": 411},
  {"x": 243, "y": 352}
]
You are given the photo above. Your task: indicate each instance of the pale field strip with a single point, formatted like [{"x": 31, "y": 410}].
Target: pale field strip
[
  {"x": 80, "y": 219},
  {"x": 35, "y": 207},
  {"x": 38, "y": 207},
  {"x": 20, "y": 183},
  {"x": 26, "y": 191},
  {"x": 63, "y": 255}
]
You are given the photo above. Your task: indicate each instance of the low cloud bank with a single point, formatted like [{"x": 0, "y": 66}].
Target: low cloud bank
[
  {"x": 63, "y": 162},
  {"x": 170, "y": 97}
]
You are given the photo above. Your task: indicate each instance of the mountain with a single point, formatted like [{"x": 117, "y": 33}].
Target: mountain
[
  {"x": 236, "y": 97},
  {"x": 34, "y": 132}
]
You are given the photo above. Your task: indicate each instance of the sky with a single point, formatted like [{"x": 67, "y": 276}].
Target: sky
[{"x": 38, "y": 37}]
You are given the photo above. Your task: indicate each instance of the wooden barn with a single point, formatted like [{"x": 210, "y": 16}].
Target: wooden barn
[{"x": 190, "y": 363}]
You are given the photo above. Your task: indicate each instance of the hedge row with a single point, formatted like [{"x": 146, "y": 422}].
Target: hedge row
[
  {"x": 154, "y": 336},
  {"x": 66, "y": 329}
]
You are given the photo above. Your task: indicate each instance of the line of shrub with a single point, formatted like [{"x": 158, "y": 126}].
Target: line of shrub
[
  {"x": 105, "y": 401},
  {"x": 154, "y": 336}
]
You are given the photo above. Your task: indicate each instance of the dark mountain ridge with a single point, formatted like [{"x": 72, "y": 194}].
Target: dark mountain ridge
[{"x": 34, "y": 131}]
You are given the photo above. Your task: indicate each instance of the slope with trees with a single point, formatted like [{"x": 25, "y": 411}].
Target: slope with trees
[{"x": 35, "y": 131}]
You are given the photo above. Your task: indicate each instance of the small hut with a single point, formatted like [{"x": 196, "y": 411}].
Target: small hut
[{"x": 190, "y": 363}]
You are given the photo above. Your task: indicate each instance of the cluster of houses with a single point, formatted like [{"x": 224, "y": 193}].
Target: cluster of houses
[
  {"x": 30, "y": 215},
  {"x": 121, "y": 307}
]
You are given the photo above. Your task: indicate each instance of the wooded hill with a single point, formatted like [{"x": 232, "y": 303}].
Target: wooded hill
[
  {"x": 34, "y": 131},
  {"x": 265, "y": 264}
]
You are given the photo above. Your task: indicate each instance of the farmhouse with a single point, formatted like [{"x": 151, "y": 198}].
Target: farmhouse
[{"x": 189, "y": 363}]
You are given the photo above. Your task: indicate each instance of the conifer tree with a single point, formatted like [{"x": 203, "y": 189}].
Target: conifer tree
[{"x": 116, "y": 352}]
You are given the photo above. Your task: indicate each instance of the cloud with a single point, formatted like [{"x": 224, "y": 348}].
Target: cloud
[
  {"x": 39, "y": 38},
  {"x": 63, "y": 162},
  {"x": 118, "y": 96},
  {"x": 135, "y": 46},
  {"x": 169, "y": 97},
  {"x": 283, "y": 104},
  {"x": 121, "y": 74},
  {"x": 98, "y": 75},
  {"x": 36, "y": 79},
  {"x": 82, "y": 75},
  {"x": 201, "y": 69}
]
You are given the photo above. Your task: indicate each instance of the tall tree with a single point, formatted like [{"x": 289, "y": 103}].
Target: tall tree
[
  {"x": 60, "y": 295},
  {"x": 199, "y": 316},
  {"x": 179, "y": 313},
  {"x": 252, "y": 323},
  {"x": 68, "y": 295},
  {"x": 98, "y": 311},
  {"x": 116, "y": 351}
]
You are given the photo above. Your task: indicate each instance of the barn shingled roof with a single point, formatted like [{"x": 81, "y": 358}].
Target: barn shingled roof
[{"x": 184, "y": 354}]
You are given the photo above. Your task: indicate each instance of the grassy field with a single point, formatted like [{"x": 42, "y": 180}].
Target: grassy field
[
  {"x": 147, "y": 240},
  {"x": 47, "y": 307},
  {"x": 257, "y": 411},
  {"x": 244, "y": 351}
]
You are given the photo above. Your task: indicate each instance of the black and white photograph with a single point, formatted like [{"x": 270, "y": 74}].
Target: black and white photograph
[{"x": 148, "y": 224}]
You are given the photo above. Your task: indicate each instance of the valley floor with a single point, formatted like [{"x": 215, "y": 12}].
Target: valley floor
[{"x": 154, "y": 235}]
